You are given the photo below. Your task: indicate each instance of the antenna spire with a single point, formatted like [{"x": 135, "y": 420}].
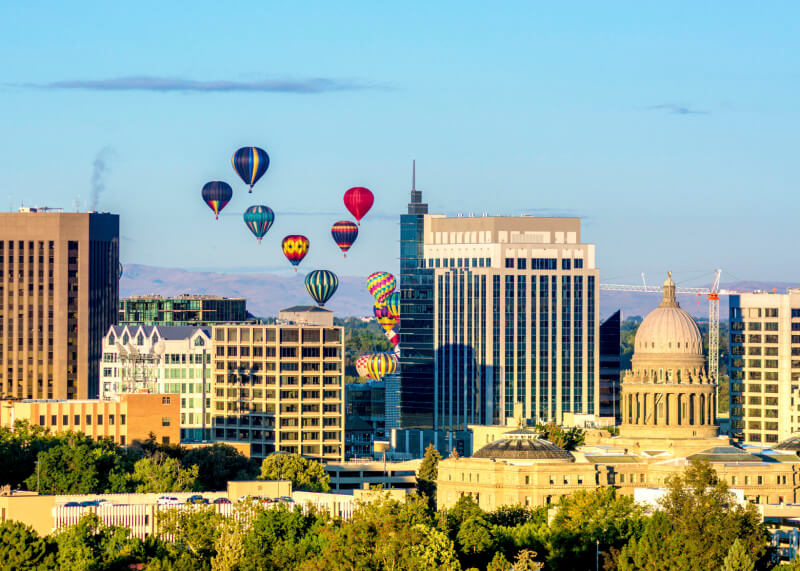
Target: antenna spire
[{"x": 414, "y": 175}]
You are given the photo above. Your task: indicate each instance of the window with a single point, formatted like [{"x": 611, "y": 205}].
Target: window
[
  {"x": 166, "y": 400},
  {"x": 99, "y": 420},
  {"x": 88, "y": 420},
  {"x": 122, "y": 419},
  {"x": 122, "y": 440},
  {"x": 521, "y": 263},
  {"x": 509, "y": 262},
  {"x": 77, "y": 419},
  {"x": 111, "y": 419},
  {"x": 578, "y": 263},
  {"x": 565, "y": 264},
  {"x": 165, "y": 421}
]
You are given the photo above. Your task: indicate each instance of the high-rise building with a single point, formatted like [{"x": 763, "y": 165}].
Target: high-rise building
[
  {"x": 162, "y": 360},
  {"x": 764, "y": 366},
  {"x": 515, "y": 319},
  {"x": 59, "y": 290},
  {"x": 610, "y": 364},
  {"x": 280, "y": 387},
  {"x": 413, "y": 404},
  {"x": 187, "y": 310}
]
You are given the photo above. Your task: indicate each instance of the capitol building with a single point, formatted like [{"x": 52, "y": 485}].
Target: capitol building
[{"x": 668, "y": 418}]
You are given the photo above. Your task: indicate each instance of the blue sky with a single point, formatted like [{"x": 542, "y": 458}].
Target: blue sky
[{"x": 671, "y": 128}]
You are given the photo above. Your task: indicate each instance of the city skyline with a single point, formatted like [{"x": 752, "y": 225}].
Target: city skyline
[{"x": 655, "y": 128}]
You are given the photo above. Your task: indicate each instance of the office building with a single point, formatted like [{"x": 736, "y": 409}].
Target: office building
[
  {"x": 368, "y": 401},
  {"x": 764, "y": 366},
  {"x": 59, "y": 290},
  {"x": 162, "y": 360},
  {"x": 127, "y": 419},
  {"x": 610, "y": 361},
  {"x": 515, "y": 319},
  {"x": 185, "y": 310},
  {"x": 280, "y": 387}
]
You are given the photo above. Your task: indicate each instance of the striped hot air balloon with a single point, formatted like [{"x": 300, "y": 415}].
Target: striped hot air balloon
[
  {"x": 217, "y": 194},
  {"x": 381, "y": 364},
  {"x": 250, "y": 163},
  {"x": 381, "y": 285},
  {"x": 295, "y": 248},
  {"x": 321, "y": 285},
  {"x": 361, "y": 366},
  {"x": 259, "y": 219},
  {"x": 344, "y": 234},
  {"x": 384, "y": 318},
  {"x": 393, "y": 305}
]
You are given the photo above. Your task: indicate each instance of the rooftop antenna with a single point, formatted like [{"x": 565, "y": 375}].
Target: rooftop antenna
[{"x": 414, "y": 174}]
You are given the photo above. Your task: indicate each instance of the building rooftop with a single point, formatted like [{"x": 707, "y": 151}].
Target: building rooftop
[
  {"x": 307, "y": 308},
  {"x": 523, "y": 444},
  {"x": 183, "y": 296}
]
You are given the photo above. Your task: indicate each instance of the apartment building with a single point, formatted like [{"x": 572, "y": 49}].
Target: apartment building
[
  {"x": 764, "y": 366},
  {"x": 162, "y": 360},
  {"x": 280, "y": 387},
  {"x": 127, "y": 419},
  {"x": 59, "y": 290},
  {"x": 187, "y": 310}
]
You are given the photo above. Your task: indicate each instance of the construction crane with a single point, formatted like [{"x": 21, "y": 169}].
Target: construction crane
[{"x": 712, "y": 294}]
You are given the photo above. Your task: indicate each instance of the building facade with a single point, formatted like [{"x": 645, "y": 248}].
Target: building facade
[
  {"x": 127, "y": 419},
  {"x": 280, "y": 388},
  {"x": 764, "y": 366},
  {"x": 610, "y": 365},
  {"x": 59, "y": 290},
  {"x": 162, "y": 360},
  {"x": 186, "y": 310},
  {"x": 515, "y": 319}
]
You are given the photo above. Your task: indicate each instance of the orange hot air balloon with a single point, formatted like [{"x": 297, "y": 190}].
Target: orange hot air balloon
[{"x": 295, "y": 248}]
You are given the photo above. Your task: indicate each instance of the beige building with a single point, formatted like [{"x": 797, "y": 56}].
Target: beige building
[
  {"x": 668, "y": 419},
  {"x": 764, "y": 366},
  {"x": 515, "y": 319},
  {"x": 58, "y": 296},
  {"x": 280, "y": 387},
  {"x": 127, "y": 419}
]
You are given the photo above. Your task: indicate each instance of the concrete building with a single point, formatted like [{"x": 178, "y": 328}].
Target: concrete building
[
  {"x": 127, "y": 419},
  {"x": 667, "y": 420},
  {"x": 515, "y": 319},
  {"x": 368, "y": 401},
  {"x": 356, "y": 475},
  {"x": 187, "y": 310},
  {"x": 610, "y": 361},
  {"x": 162, "y": 360},
  {"x": 764, "y": 366},
  {"x": 280, "y": 387},
  {"x": 59, "y": 289}
]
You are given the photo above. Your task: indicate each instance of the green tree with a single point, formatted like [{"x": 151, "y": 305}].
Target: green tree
[
  {"x": 475, "y": 542},
  {"x": 195, "y": 532},
  {"x": 566, "y": 438},
  {"x": 22, "y": 548},
  {"x": 738, "y": 559},
  {"x": 19, "y": 449},
  {"x": 434, "y": 551},
  {"x": 218, "y": 464},
  {"x": 499, "y": 563},
  {"x": 281, "y": 538},
  {"x": 304, "y": 473},
  {"x": 428, "y": 474},
  {"x": 156, "y": 474},
  {"x": 90, "y": 545}
]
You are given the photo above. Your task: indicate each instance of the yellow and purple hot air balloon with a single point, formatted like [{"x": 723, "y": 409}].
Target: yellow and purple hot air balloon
[
  {"x": 250, "y": 163},
  {"x": 259, "y": 219},
  {"x": 381, "y": 285},
  {"x": 384, "y": 317},
  {"x": 295, "y": 248},
  {"x": 381, "y": 364}
]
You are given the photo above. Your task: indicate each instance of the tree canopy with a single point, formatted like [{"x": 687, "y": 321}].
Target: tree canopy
[{"x": 304, "y": 473}]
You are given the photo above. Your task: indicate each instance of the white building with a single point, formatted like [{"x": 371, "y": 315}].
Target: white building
[{"x": 154, "y": 359}]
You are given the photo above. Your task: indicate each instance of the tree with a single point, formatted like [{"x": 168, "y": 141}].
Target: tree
[
  {"x": 218, "y": 464},
  {"x": 193, "y": 531},
  {"x": 738, "y": 559},
  {"x": 304, "y": 473},
  {"x": 19, "y": 448},
  {"x": 282, "y": 538},
  {"x": 566, "y": 438},
  {"x": 159, "y": 473},
  {"x": 89, "y": 544},
  {"x": 428, "y": 474},
  {"x": 22, "y": 548},
  {"x": 434, "y": 550}
]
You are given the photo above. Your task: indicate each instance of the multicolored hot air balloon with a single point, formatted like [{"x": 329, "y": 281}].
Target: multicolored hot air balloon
[
  {"x": 381, "y": 364},
  {"x": 361, "y": 367},
  {"x": 295, "y": 248},
  {"x": 384, "y": 318},
  {"x": 393, "y": 305},
  {"x": 358, "y": 200},
  {"x": 344, "y": 234},
  {"x": 321, "y": 285},
  {"x": 259, "y": 219},
  {"x": 250, "y": 163},
  {"x": 381, "y": 285},
  {"x": 217, "y": 194}
]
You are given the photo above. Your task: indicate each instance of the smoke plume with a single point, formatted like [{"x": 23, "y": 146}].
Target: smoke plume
[{"x": 99, "y": 170}]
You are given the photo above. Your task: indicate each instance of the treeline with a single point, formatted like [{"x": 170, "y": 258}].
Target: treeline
[{"x": 699, "y": 526}]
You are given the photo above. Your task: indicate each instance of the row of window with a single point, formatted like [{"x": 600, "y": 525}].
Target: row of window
[{"x": 77, "y": 420}]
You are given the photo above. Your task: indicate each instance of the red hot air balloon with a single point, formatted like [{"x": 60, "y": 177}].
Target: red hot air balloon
[
  {"x": 358, "y": 200},
  {"x": 344, "y": 234}
]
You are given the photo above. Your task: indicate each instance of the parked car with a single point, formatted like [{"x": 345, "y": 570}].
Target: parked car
[
  {"x": 72, "y": 505},
  {"x": 221, "y": 501},
  {"x": 197, "y": 499},
  {"x": 286, "y": 500},
  {"x": 167, "y": 501},
  {"x": 103, "y": 502},
  {"x": 89, "y": 504}
]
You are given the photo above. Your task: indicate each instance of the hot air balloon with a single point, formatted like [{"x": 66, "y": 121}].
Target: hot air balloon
[
  {"x": 217, "y": 194},
  {"x": 384, "y": 318},
  {"x": 358, "y": 200},
  {"x": 120, "y": 270},
  {"x": 393, "y": 305},
  {"x": 381, "y": 285},
  {"x": 344, "y": 234},
  {"x": 295, "y": 248},
  {"x": 381, "y": 364},
  {"x": 321, "y": 285},
  {"x": 250, "y": 163},
  {"x": 361, "y": 367},
  {"x": 259, "y": 219}
]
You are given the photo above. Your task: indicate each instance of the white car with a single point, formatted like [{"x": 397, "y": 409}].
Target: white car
[{"x": 168, "y": 501}]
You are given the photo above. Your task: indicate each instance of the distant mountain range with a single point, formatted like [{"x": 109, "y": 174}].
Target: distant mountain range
[{"x": 266, "y": 294}]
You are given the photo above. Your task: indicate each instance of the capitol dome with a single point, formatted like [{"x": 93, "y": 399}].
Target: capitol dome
[
  {"x": 523, "y": 444},
  {"x": 668, "y": 330}
]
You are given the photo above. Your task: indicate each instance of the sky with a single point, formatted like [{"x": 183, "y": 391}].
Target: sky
[{"x": 671, "y": 129}]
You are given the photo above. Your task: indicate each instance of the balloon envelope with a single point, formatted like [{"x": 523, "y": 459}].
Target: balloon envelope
[
  {"x": 295, "y": 248},
  {"x": 358, "y": 200},
  {"x": 250, "y": 163},
  {"x": 259, "y": 219},
  {"x": 381, "y": 364},
  {"x": 217, "y": 194},
  {"x": 361, "y": 367},
  {"x": 393, "y": 305},
  {"x": 381, "y": 285},
  {"x": 384, "y": 318},
  {"x": 344, "y": 234},
  {"x": 321, "y": 285}
]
